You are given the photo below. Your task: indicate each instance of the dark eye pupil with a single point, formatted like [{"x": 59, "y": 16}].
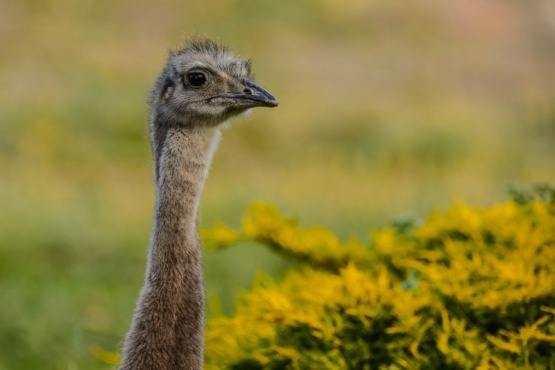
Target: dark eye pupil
[{"x": 196, "y": 78}]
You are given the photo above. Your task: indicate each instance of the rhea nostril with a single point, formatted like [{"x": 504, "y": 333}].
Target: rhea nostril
[{"x": 247, "y": 91}]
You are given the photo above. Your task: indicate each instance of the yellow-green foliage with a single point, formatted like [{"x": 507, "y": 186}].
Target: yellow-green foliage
[{"x": 469, "y": 289}]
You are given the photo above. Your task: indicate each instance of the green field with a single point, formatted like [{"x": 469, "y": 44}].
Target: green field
[{"x": 386, "y": 111}]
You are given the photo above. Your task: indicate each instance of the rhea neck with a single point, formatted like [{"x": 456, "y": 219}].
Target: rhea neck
[{"x": 167, "y": 330}]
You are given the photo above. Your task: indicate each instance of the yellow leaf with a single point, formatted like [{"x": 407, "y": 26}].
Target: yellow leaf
[{"x": 511, "y": 347}]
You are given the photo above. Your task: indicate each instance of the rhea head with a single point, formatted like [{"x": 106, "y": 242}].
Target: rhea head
[{"x": 204, "y": 83}]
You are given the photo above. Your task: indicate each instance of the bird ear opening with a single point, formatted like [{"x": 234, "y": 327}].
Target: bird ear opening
[{"x": 166, "y": 90}]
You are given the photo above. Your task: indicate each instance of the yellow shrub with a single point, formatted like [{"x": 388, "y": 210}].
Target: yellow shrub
[{"x": 472, "y": 289}]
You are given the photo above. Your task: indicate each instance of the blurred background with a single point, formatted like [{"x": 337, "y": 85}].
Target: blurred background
[{"x": 387, "y": 110}]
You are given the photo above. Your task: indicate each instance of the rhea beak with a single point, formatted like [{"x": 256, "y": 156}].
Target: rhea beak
[{"x": 255, "y": 96}]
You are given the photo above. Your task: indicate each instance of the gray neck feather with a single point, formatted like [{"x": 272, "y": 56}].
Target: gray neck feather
[{"x": 167, "y": 329}]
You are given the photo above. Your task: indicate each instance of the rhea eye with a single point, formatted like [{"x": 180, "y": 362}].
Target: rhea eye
[{"x": 196, "y": 78}]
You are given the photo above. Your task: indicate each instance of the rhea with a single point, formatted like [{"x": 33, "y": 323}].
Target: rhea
[{"x": 202, "y": 85}]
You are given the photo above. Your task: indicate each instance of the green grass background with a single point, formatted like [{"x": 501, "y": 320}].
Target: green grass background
[{"x": 387, "y": 109}]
